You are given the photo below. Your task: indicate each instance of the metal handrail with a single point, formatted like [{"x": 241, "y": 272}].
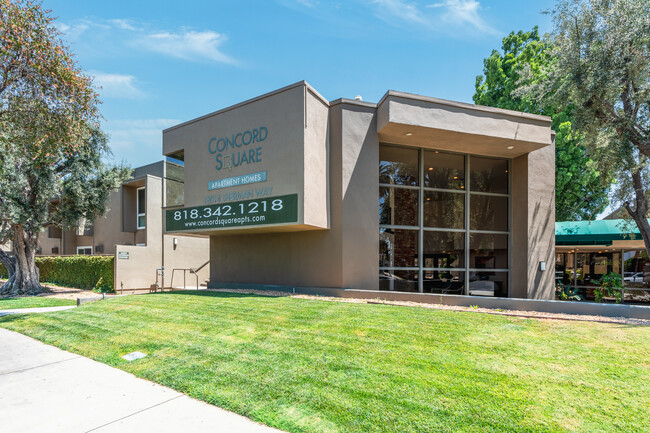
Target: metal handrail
[
  {"x": 171, "y": 283},
  {"x": 194, "y": 271}
]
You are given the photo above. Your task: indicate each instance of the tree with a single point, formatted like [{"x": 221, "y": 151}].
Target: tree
[
  {"x": 602, "y": 68},
  {"x": 51, "y": 149},
  {"x": 580, "y": 189}
]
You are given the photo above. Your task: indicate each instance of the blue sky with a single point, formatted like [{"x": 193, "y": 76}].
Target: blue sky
[{"x": 160, "y": 63}]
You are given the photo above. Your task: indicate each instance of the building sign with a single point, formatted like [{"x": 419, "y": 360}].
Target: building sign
[
  {"x": 124, "y": 255},
  {"x": 237, "y": 150},
  {"x": 271, "y": 210},
  {"x": 244, "y": 179}
]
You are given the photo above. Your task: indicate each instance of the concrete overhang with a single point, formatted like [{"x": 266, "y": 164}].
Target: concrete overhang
[
  {"x": 414, "y": 120},
  {"x": 135, "y": 183}
]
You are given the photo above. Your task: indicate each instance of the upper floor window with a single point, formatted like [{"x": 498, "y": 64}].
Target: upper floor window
[
  {"x": 84, "y": 250},
  {"x": 141, "y": 206}
]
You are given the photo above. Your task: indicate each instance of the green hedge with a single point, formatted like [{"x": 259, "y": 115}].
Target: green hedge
[{"x": 81, "y": 272}]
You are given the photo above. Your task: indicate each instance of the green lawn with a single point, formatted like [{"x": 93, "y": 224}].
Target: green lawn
[
  {"x": 317, "y": 366},
  {"x": 33, "y": 302}
]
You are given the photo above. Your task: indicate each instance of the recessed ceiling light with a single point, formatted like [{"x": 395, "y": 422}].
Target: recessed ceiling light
[
  {"x": 408, "y": 134},
  {"x": 510, "y": 147},
  {"x": 430, "y": 168}
]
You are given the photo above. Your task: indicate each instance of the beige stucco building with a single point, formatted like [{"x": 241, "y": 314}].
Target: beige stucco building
[
  {"x": 410, "y": 194},
  {"x": 132, "y": 230}
]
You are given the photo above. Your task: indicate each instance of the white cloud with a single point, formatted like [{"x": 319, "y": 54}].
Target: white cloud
[
  {"x": 72, "y": 31},
  {"x": 461, "y": 12},
  {"x": 452, "y": 17},
  {"x": 392, "y": 9},
  {"x": 308, "y": 3},
  {"x": 188, "y": 45},
  {"x": 116, "y": 85},
  {"x": 114, "y": 35},
  {"x": 124, "y": 24},
  {"x": 127, "y": 136}
]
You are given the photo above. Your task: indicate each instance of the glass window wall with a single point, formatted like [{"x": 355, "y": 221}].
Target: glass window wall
[
  {"x": 489, "y": 175},
  {"x": 398, "y": 166},
  {"x": 444, "y": 209},
  {"x": 634, "y": 262},
  {"x": 398, "y": 206},
  {"x": 398, "y": 248},
  {"x": 437, "y": 233},
  {"x": 585, "y": 269}
]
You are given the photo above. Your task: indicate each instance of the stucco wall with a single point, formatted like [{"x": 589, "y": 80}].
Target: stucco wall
[
  {"x": 108, "y": 228},
  {"x": 344, "y": 256},
  {"x": 189, "y": 252},
  {"x": 460, "y": 127},
  {"x": 533, "y": 224},
  {"x": 340, "y": 170},
  {"x": 519, "y": 224},
  {"x": 541, "y": 223},
  {"x": 293, "y": 258},
  {"x": 139, "y": 270},
  {"x": 359, "y": 176},
  {"x": 293, "y": 153},
  {"x": 46, "y": 243}
]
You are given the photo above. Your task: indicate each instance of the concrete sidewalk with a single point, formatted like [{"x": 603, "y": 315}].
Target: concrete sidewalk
[
  {"x": 45, "y": 389},
  {"x": 35, "y": 310}
]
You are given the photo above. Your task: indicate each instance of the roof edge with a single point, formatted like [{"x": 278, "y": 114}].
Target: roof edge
[
  {"x": 250, "y": 101},
  {"x": 457, "y": 104},
  {"x": 348, "y": 101}
]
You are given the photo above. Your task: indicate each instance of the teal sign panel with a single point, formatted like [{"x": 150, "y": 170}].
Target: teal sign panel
[
  {"x": 244, "y": 179},
  {"x": 270, "y": 210}
]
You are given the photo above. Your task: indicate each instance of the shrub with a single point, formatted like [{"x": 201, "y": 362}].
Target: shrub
[
  {"x": 102, "y": 287},
  {"x": 567, "y": 293},
  {"x": 83, "y": 272},
  {"x": 610, "y": 285}
]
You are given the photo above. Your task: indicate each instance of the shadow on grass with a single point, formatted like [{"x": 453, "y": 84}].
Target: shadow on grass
[{"x": 11, "y": 317}]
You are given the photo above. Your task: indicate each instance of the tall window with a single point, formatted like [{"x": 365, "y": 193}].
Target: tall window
[
  {"x": 141, "y": 206},
  {"x": 443, "y": 222}
]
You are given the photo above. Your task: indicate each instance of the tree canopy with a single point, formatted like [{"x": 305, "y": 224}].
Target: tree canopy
[
  {"x": 581, "y": 189},
  {"x": 602, "y": 67},
  {"x": 52, "y": 152}
]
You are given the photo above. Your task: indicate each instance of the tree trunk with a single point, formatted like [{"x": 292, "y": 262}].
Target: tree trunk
[
  {"x": 10, "y": 264},
  {"x": 640, "y": 211},
  {"x": 25, "y": 277}
]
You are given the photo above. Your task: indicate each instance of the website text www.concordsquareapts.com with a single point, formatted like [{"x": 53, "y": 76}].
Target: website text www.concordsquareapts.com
[{"x": 225, "y": 221}]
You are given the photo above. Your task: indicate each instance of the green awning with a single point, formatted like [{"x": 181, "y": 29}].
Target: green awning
[{"x": 602, "y": 232}]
